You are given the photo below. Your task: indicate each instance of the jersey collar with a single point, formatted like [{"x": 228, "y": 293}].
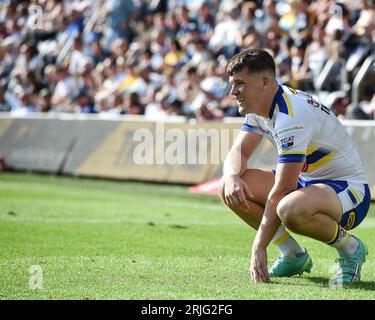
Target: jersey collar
[{"x": 278, "y": 96}]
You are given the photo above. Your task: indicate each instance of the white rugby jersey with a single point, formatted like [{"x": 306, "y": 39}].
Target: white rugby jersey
[{"x": 304, "y": 130}]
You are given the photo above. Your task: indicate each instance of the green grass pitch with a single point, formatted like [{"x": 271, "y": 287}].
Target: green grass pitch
[{"x": 98, "y": 239}]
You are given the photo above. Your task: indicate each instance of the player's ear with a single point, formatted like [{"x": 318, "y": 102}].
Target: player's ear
[{"x": 266, "y": 81}]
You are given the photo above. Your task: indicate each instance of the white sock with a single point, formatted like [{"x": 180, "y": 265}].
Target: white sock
[
  {"x": 343, "y": 242},
  {"x": 286, "y": 244}
]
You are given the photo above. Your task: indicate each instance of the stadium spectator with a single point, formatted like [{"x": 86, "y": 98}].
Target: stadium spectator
[
  {"x": 189, "y": 89},
  {"x": 83, "y": 102},
  {"x": 77, "y": 57},
  {"x": 298, "y": 51},
  {"x": 226, "y": 38},
  {"x": 157, "y": 109},
  {"x": 119, "y": 48},
  {"x": 173, "y": 59},
  {"x": 174, "y": 107},
  {"x": 335, "y": 45},
  {"x": 146, "y": 83},
  {"x": 65, "y": 90},
  {"x": 364, "y": 111},
  {"x": 131, "y": 104},
  {"x": 117, "y": 103},
  {"x": 102, "y": 44},
  {"x": 96, "y": 52},
  {"x": 339, "y": 103},
  {"x": 3, "y": 31},
  {"x": 251, "y": 38},
  {"x": 205, "y": 21},
  {"x": 204, "y": 113},
  {"x": 268, "y": 18},
  {"x": 76, "y": 21},
  {"x": 365, "y": 24},
  {"x": 119, "y": 15},
  {"x": 44, "y": 100},
  {"x": 201, "y": 55},
  {"x": 52, "y": 11},
  {"x": 23, "y": 104},
  {"x": 29, "y": 59},
  {"x": 185, "y": 22},
  {"x": 4, "y": 106},
  {"x": 315, "y": 56}
]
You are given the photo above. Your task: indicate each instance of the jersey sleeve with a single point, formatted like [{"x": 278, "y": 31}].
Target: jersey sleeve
[
  {"x": 251, "y": 125},
  {"x": 292, "y": 140}
]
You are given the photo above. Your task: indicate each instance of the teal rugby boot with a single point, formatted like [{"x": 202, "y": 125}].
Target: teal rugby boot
[
  {"x": 286, "y": 266},
  {"x": 350, "y": 266}
]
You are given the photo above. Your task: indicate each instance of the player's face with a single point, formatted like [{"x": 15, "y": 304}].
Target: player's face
[{"x": 246, "y": 88}]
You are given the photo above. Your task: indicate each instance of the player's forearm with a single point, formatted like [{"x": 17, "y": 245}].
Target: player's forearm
[
  {"x": 270, "y": 221},
  {"x": 235, "y": 164},
  {"x": 244, "y": 146}
]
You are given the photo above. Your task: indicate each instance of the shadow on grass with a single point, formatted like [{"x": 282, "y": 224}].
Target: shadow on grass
[{"x": 363, "y": 285}]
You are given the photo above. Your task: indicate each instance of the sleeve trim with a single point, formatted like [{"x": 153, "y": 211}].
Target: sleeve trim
[
  {"x": 286, "y": 158},
  {"x": 249, "y": 128}
]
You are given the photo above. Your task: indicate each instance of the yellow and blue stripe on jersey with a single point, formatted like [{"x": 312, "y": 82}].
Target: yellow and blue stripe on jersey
[
  {"x": 318, "y": 156},
  {"x": 314, "y": 157},
  {"x": 281, "y": 103}
]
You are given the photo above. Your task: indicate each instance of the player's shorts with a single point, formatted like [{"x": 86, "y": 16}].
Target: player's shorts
[{"x": 354, "y": 196}]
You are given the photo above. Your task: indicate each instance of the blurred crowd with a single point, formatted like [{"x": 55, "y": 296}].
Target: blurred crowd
[{"x": 168, "y": 57}]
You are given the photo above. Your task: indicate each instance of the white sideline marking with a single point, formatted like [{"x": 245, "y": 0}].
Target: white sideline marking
[
  {"x": 115, "y": 221},
  {"x": 170, "y": 203},
  {"x": 363, "y": 225}
]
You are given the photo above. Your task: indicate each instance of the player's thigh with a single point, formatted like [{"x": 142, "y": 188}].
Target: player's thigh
[
  {"x": 310, "y": 200},
  {"x": 260, "y": 183}
]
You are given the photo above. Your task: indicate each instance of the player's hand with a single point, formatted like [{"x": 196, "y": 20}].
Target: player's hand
[
  {"x": 258, "y": 265},
  {"x": 236, "y": 192}
]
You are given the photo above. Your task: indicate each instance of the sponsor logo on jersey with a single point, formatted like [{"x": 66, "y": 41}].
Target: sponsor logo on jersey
[
  {"x": 287, "y": 143},
  {"x": 292, "y": 128}
]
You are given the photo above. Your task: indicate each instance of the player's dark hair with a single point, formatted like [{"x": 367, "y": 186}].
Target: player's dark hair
[{"x": 255, "y": 60}]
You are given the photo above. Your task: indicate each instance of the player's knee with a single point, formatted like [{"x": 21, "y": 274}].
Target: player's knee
[
  {"x": 221, "y": 192},
  {"x": 290, "y": 214}
]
